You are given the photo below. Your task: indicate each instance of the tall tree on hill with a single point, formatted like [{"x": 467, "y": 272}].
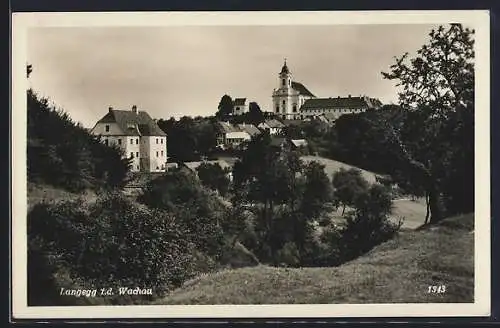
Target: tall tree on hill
[
  {"x": 348, "y": 185},
  {"x": 255, "y": 114},
  {"x": 225, "y": 108},
  {"x": 436, "y": 142}
]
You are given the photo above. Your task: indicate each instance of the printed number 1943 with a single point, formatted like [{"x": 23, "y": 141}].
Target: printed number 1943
[{"x": 437, "y": 289}]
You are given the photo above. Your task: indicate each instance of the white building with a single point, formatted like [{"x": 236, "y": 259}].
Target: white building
[
  {"x": 230, "y": 136},
  {"x": 240, "y": 106},
  {"x": 293, "y": 101},
  {"x": 138, "y": 135},
  {"x": 289, "y": 96},
  {"x": 333, "y": 108},
  {"x": 274, "y": 127}
]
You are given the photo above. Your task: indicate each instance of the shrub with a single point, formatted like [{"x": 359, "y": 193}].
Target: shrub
[
  {"x": 288, "y": 255},
  {"x": 113, "y": 242}
]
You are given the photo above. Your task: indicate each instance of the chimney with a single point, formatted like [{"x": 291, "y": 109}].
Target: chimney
[
  {"x": 349, "y": 96},
  {"x": 110, "y": 109},
  {"x": 134, "y": 109}
]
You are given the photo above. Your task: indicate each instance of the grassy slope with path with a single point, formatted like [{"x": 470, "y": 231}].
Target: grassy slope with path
[{"x": 397, "y": 271}]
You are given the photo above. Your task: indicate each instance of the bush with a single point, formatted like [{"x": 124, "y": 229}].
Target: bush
[
  {"x": 288, "y": 255},
  {"x": 113, "y": 242}
]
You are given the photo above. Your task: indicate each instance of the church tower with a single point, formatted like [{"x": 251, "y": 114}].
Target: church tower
[{"x": 283, "y": 94}]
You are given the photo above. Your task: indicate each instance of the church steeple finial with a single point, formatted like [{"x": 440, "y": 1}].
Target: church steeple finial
[{"x": 284, "y": 69}]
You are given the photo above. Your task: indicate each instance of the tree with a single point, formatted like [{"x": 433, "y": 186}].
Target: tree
[
  {"x": 438, "y": 92},
  {"x": 214, "y": 177},
  {"x": 348, "y": 185},
  {"x": 225, "y": 108},
  {"x": 255, "y": 114}
]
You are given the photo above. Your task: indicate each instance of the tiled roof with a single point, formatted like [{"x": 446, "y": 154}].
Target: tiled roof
[
  {"x": 239, "y": 101},
  {"x": 299, "y": 142},
  {"x": 226, "y": 127},
  {"x": 133, "y": 124},
  {"x": 339, "y": 102},
  {"x": 301, "y": 89},
  {"x": 273, "y": 123},
  {"x": 249, "y": 128}
]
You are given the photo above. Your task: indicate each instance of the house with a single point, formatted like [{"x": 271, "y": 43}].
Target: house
[
  {"x": 193, "y": 167},
  {"x": 138, "y": 135},
  {"x": 230, "y": 136},
  {"x": 251, "y": 129},
  {"x": 289, "y": 96},
  {"x": 338, "y": 106},
  {"x": 273, "y": 126},
  {"x": 240, "y": 106}
]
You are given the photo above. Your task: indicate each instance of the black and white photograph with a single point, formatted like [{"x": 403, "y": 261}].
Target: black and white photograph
[{"x": 291, "y": 164}]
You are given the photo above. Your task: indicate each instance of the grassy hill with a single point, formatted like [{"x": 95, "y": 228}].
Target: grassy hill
[
  {"x": 400, "y": 270},
  {"x": 332, "y": 166}
]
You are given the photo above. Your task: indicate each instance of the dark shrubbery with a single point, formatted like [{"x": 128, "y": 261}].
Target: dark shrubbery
[
  {"x": 196, "y": 208},
  {"x": 64, "y": 154},
  {"x": 112, "y": 243}
]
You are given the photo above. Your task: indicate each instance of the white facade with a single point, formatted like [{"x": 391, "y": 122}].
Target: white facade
[
  {"x": 240, "y": 106},
  {"x": 147, "y": 150},
  {"x": 286, "y": 99}
]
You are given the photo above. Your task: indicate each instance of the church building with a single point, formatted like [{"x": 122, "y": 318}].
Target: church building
[
  {"x": 289, "y": 96},
  {"x": 293, "y": 101}
]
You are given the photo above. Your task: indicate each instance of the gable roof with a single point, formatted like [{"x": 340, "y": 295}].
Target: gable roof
[
  {"x": 226, "y": 127},
  {"x": 249, "y": 128},
  {"x": 299, "y": 142},
  {"x": 339, "y": 102},
  {"x": 301, "y": 89},
  {"x": 134, "y": 124},
  {"x": 273, "y": 123},
  {"x": 239, "y": 101}
]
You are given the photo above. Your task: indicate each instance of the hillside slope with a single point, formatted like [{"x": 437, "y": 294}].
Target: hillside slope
[{"x": 400, "y": 270}]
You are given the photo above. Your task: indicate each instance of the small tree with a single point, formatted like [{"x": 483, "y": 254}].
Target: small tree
[
  {"x": 214, "y": 177},
  {"x": 255, "y": 114},
  {"x": 225, "y": 108},
  {"x": 348, "y": 185}
]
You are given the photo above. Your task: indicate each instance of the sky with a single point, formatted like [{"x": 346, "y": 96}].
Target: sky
[{"x": 185, "y": 70}]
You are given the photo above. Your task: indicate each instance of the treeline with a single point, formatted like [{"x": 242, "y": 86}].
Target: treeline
[{"x": 64, "y": 154}]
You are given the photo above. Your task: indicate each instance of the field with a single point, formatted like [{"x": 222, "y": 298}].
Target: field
[
  {"x": 332, "y": 166},
  {"x": 398, "y": 271}
]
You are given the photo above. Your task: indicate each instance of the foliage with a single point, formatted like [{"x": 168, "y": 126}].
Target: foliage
[
  {"x": 189, "y": 138},
  {"x": 197, "y": 209},
  {"x": 64, "y": 154},
  {"x": 225, "y": 108},
  {"x": 214, "y": 177},
  {"x": 113, "y": 242},
  {"x": 348, "y": 186},
  {"x": 438, "y": 91}
]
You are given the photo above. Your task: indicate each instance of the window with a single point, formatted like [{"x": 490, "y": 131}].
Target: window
[
  {"x": 284, "y": 103},
  {"x": 131, "y": 141},
  {"x": 156, "y": 140},
  {"x": 157, "y": 168},
  {"x": 277, "y": 109},
  {"x": 162, "y": 141},
  {"x": 157, "y": 154},
  {"x": 137, "y": 154},
  {"x": 283, "y": 82},
  {"x": 132, "y": 154},
  {"x": 119, "y": 141},
  {"x": 138, "y": 167},
  {"x": 294, "y": 108},
  {"x": 137, "y": 141},
  {"x": 107, "y": 128},
  {"x": 162, "y": 153}
]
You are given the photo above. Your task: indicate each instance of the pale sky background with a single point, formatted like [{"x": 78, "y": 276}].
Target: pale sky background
[{"x": 175, "y": 70}]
